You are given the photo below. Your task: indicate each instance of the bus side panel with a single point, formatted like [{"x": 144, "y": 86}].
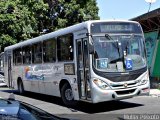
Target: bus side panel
[
  {"x": 32, "y": 75},
  {"x": 16, "y": 73},
  {"x": 52, "y": 78},
  {"x": 6, "y": 67},
  {"x": 42, "y": 78}
]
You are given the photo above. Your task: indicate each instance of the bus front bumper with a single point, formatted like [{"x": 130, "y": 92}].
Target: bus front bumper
[{"x": 100, "y": 95}]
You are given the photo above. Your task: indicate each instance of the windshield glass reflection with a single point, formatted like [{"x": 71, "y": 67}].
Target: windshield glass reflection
[{"x": 119, "y": 53}]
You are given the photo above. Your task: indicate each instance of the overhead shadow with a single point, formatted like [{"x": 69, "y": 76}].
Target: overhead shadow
[
  {"x": 37, "y": 96},
  {"x": 9, "y": 91},
  {"x": 81, "y": 106},
  {"x": 105, "y": 106}
]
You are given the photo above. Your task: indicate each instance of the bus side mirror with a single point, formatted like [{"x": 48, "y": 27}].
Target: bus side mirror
[{"x": 91, "y": 49}]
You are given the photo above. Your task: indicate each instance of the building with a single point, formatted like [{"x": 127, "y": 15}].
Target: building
[{"x": 151, "y": 26}]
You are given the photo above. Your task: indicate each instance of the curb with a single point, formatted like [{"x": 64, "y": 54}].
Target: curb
[{"x": 154, "y": 93}]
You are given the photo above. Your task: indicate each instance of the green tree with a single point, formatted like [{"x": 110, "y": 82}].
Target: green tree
[
  {"x": 24, "y": 19},
  {"x": 20, "y": 20},
  {"x": 64, "y": 13}
]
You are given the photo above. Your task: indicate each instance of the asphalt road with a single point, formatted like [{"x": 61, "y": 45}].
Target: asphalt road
[{"x": 142, "y": 107}]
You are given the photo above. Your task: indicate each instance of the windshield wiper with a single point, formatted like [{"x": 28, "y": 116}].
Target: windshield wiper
[
  {"x": 118, "y": 49},
  {"x": 117, "y": 46},
  {"x": 127, "y": 44},
  {"x": 108, "y": 37}
]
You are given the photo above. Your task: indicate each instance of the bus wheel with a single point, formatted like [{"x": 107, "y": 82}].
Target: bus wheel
[
  {"x": 67, "y": 95},
  {"x": 20, "y": 87}
]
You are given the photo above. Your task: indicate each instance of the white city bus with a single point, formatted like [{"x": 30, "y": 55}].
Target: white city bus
[{"x": 93, "y": 61}]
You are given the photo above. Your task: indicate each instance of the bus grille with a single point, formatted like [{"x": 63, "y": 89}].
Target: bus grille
[
  {"x": 125, "y": 92},
  {"x": 121, "y": 86}
]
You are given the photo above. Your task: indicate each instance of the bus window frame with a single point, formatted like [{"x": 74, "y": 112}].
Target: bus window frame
[
  {"x": 33, "y": 52},
  {"x": 59, "y": 59},
  {"x": 24, "y": 55},
  {"x": 15, "y": 63},
  {"x": 55, "y": 50}
]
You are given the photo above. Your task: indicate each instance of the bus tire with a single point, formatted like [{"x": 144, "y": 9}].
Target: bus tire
[
  {"x": 67, "y": 95},
  {"x": 20, "y": 87}
]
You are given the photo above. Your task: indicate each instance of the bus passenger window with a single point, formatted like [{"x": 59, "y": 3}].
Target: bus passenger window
[
  {"x": 37, "y": 53},
  {"x": 65, "y": 47},
  {"x": 49, "y": 50},
  {"x": 17, "y": 56},
  {"x": 26, "y": 55}
]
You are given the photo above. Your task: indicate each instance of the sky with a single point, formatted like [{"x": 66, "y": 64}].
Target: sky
[{"x": 124, "y": 9}]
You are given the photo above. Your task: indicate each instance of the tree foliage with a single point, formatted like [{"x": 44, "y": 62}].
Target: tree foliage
[
  {"x": 69, "y": 12},
  {"x": 24, "y": 19}
]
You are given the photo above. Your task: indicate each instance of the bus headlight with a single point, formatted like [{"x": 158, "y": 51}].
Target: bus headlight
[
  {"x": 143, "y": 82},
  {"x": 101, "y": 84},
  {"x": 143, "y": 79}
]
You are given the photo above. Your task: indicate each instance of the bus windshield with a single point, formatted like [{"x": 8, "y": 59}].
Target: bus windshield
[{"x": 119, "y": 53}]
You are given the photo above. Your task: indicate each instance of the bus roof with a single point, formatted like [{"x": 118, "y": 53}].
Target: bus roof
[{"x": 62, "y": 31}]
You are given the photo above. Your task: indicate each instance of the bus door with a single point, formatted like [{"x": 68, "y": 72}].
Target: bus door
[
  {"x": 9, "y": 72},
  {"x": 83, "y": 69}
]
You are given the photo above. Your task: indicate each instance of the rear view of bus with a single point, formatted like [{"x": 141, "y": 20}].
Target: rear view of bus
[{"x": 118, "y": 62}]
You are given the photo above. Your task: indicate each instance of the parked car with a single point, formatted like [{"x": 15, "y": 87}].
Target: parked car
[{"x": 11, "y": 109}]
